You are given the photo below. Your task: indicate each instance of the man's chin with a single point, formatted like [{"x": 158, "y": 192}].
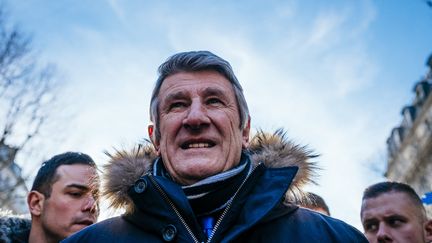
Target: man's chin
[
  {"x": 197, "y": 171},
  {"x": 79, "y": 226}
]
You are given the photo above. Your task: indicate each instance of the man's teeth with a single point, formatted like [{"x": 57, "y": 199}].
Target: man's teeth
[{"x": 199, "y": 145}]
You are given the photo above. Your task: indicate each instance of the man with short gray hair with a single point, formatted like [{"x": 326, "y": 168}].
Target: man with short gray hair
[{"x": 202, "y": 179}]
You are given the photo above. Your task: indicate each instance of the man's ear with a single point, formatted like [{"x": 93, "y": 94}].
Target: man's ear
[
  {"x": 35, "y": 202},
  {"x": 245, "y": 134},
  {"x": 428, "y": 230},
  {"x": 152, "y": 136}
]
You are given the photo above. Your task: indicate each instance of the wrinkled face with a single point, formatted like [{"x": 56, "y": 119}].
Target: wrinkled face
[
  {"x": 72, "y": 204},
  {"x": 199, "y": 125},
  {"x": 393, "y": 217}
]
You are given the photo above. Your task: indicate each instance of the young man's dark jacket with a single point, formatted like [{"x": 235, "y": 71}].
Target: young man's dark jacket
[{"x": 157, "y": 209}]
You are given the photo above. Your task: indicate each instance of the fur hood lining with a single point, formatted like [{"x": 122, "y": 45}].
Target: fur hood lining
[{"x": 274, "y": 150}]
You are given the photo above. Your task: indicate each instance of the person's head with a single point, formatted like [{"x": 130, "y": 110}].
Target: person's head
[
  {"x": 316, "y": 203},
  {"x": 63, "y": 198},
  {"x": 393, "y": 212},
  {"x": 200, "y": 116}
]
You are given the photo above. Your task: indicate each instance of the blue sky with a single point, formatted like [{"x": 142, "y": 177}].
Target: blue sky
[{"x": 335, "y": 74}]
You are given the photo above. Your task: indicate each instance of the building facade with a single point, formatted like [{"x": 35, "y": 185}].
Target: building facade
[{"x": 410, "y": 144}]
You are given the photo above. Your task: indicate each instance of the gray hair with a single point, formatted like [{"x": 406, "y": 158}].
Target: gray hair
[{"x": 194, "y": 61}]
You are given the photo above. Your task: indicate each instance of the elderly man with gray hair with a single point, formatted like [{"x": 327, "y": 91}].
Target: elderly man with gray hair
[{"x": 202, "y": 179}]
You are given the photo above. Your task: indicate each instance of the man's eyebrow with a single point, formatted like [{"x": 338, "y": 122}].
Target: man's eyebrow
[
  {"x": 79, "y": 186},
  {"x": 368, "y": 220},
  {"x": 395, "y": 216},
  {"x": 174, "y": 96},
  {"x": 210, "y": 91}
]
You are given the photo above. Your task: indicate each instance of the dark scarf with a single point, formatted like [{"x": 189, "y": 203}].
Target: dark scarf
[{"x": 212, "y": 194}]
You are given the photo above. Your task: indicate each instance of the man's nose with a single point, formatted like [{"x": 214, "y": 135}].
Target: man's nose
[
  {"x": 90, "y": 205},
  {"x": 197, "y": 116},
  {"x": 383, "y": 233}
]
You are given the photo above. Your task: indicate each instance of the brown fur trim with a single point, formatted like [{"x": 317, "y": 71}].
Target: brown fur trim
[
  {"x": 274, "y": 150},
  {"x": 121, "y": 172}
]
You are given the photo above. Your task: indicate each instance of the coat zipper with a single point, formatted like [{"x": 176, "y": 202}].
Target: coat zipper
[
  {"x": 168, "y": 200},
  {"x": 228, "y": 207}
]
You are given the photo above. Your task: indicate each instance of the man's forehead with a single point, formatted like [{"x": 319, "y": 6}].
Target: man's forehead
[
  {"x": 78, "y": 166},
  {"x": 79, "y": 172},
  {"x": 387, "y": 204},
  {"x": 194, "y": 78}
]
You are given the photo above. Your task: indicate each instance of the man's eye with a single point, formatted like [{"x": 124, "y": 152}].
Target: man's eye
[
  {"x": 177, "y": 105},
  {"x": 371, "y": 227},
  {"x": 213, "y": 101},
  {"x": 395, "y": 222},
  {"x": 75, "y": 194}
]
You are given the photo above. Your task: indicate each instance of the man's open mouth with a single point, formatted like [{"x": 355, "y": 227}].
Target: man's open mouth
[{"x": 190, "y": 144}]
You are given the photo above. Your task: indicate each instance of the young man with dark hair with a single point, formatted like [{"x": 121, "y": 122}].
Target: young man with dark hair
[
  {"x": 393, "y": 212},
  {"x": 63, "y": 200}
]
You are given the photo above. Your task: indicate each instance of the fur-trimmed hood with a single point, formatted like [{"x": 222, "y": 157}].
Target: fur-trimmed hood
[
  {"x": 274, "y": 150},
  {"x": 12, "y": 225}
]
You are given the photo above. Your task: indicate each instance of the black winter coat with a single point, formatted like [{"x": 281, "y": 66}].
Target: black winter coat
[{"x": 158, "y": 210}]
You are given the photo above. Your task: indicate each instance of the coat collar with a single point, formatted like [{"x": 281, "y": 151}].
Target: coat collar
[{"x": 275, "y": 150}]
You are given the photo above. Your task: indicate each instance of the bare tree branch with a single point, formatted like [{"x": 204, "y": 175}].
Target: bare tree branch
[{"x": 27, "y": 96}]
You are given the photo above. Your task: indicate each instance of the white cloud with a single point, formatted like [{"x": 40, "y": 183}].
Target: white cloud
[
  {"x": 302, "y": 74},
  {"x": 117, "y": 9},
  {"x": 325, "y": 31}
]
